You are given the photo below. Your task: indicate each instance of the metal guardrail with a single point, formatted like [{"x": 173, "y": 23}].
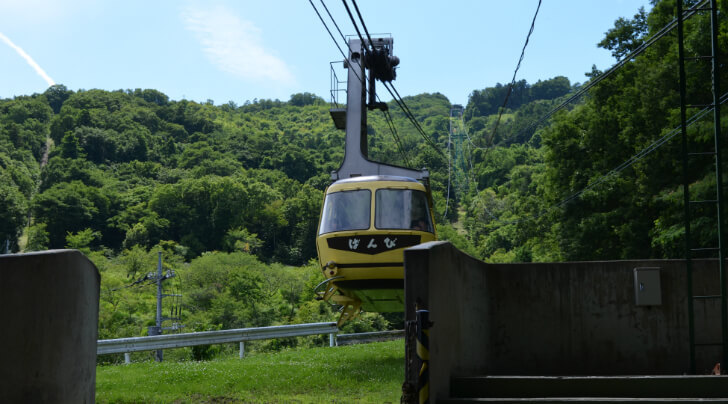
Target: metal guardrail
[
  {"x": 240, "y": 335},
  {"x": 367, "y": 337},
  {"x": 135, "y": 344}
]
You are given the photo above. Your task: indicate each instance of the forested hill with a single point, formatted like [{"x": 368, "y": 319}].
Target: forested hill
[
  {"x": 603, "y": 179},
  {"x": 134, "y": 168}
]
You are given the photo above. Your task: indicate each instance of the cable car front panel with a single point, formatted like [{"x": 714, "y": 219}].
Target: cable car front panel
[{"x": 366, "y": 223}]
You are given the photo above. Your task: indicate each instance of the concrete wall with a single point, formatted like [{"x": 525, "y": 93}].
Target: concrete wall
[
  {"x": 576, "y": 318},
  {"x": 49, "y": 303}
]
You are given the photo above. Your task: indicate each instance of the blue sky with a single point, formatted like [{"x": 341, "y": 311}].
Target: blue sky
[{"x": 243, "y": 50}]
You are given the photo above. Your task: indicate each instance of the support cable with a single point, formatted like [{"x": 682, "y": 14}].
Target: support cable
[
  {"x": 408, "y": 113},
  {"x": 659, "y": 34},
  {"x": 398, "y": 99},
  {"x": 449, "y": 168},
  {"x": 356, "y": 27},
  {"x": 346, "y": 58},
  {"x": 513, "y": 80},
  {"x": 615, "y": 171},
  {"x": 393, "y": 129},
  {"x": 364, "y": 26},
  {"x": 334, "y": 21},
  {"x": 388, "y": 117}
]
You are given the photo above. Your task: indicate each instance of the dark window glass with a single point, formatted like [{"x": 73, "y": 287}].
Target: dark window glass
[
  {"x": 346, "y": 210},
  {"x": 402, "y": 209}
]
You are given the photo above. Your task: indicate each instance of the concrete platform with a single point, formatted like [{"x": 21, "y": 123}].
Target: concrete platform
[
  {"x": 49, "y": 302},
  {"x": 586, "y": 389}
]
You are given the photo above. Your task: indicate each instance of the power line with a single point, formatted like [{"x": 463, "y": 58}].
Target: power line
[
  {"x": 449, "y": 167},
  {"x": 659, "y": 34},
  {"x": 618, "y": 169},
  {"x": 662, "y": 32},
  {"x": 146, "y": 280},
  {"x": 334, "y": 21},
  {"x": 467, "y": 135},
  {"x": 398, "y": 99},
  {"x": 327, "y": 29},
  {"x": 366, "y": 31},
  {"x": 649, "y": 149},
  {"x": 393, "y": 129},
  {"x": 387, "y": 116},
  {"x": 346, "y": 58},
  {"x": 408, "y": 113},
  {"x": 513, "y": 80},
  {"x": 353, "y": 22}
]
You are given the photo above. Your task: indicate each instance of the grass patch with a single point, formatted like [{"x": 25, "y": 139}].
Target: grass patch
[{"x": 367, "y": 373}]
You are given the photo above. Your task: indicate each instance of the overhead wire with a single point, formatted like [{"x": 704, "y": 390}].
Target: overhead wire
[
  {"x": 467, "y": 135},
  {"x": 398, "y": 99},
  {"x": 449, "y": 167},
  {"x": 640, "y": 49},
  {"x": 594, "y": 81},
  {"x": 356, "y": 27},
  {"x": 515, "y": 72},
  {"x": 346, "y": 58},
  {"x": 343, "y": 37},
  {"x": 621, "y": 167},
  {"x": 139, "y": 283},
  {"x": 364, "y": 26},
  {"x": 387, "y": 116},
  {"x": 393, "y": 129},
  {"x": 328, "y": 30},
  {"x": 408, "y": 113}
]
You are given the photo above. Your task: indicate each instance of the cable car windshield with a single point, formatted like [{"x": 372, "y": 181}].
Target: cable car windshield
[
  {"x": 402, "y": 209},
  {"x": 346, "y": 210}
]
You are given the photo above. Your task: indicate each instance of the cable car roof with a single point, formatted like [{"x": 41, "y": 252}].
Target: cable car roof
[{"x": 370, "y": 178}]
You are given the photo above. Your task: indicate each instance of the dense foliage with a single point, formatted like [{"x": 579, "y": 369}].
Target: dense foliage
[
  {"x": 527, "y": 202},
  {"x": 231, "y": 194}
]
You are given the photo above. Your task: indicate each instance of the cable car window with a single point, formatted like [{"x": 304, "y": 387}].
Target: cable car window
[
  {"x": 402, "y": 209},
  {"x": 346, "y": 210}
]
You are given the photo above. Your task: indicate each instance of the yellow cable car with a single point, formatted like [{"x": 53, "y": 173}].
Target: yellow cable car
[{"x": 366, "y": 223}]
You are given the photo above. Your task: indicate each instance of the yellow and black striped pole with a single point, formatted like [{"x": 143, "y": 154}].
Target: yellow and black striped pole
[{"x": 423, "y": 352}]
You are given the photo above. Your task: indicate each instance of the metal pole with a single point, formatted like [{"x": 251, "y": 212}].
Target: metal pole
[
  {"x": 242, "y": 349},
  {"x": 686, "y": 185},
  {"x": 714, "y": 23},
  {"x": 127, "y": 358},
  {"x": 159, "y": 355},
  {"x": 332, "y": 339}
]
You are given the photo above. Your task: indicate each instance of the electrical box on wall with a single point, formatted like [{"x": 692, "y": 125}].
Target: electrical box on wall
[{"x": 647, "y": 289}]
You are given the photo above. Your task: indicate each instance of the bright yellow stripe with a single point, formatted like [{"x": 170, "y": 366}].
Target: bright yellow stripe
[
  {"x": 425, "y": 393},
  {"x": 422, "y": 352}
]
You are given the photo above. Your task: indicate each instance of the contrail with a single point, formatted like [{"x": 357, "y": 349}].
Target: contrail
[{"x": 28, "y": 59}]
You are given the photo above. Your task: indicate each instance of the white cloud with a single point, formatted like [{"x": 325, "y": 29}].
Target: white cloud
[
  {"x": 40, "y": 12},
  {"x": 28, "y": 59},
  {"x": 234, "y": 45}
]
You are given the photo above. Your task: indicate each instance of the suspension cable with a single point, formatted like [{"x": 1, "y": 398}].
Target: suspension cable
[
  {"x": 621, "y": 167},
  {"x": 659, "y": 34},
  {"x": 513, "y": 80}
]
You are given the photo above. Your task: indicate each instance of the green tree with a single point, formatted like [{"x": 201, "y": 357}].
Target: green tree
[
  {"x": 13, "y": 210},
  {"x": 82, "y": 240},
  {"x": 56, "y": 95},
  {"x": 37, "y": 238}
]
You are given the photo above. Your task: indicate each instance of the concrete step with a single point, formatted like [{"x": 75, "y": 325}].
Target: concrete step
[
  {"x": 564, "y": 387},
  {"x": 583, "y": 400}
]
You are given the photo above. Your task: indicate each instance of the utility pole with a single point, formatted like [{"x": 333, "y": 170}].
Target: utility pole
[
  {"x": 159, "y": 355},
  {"x": 158, "y": 329}
]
